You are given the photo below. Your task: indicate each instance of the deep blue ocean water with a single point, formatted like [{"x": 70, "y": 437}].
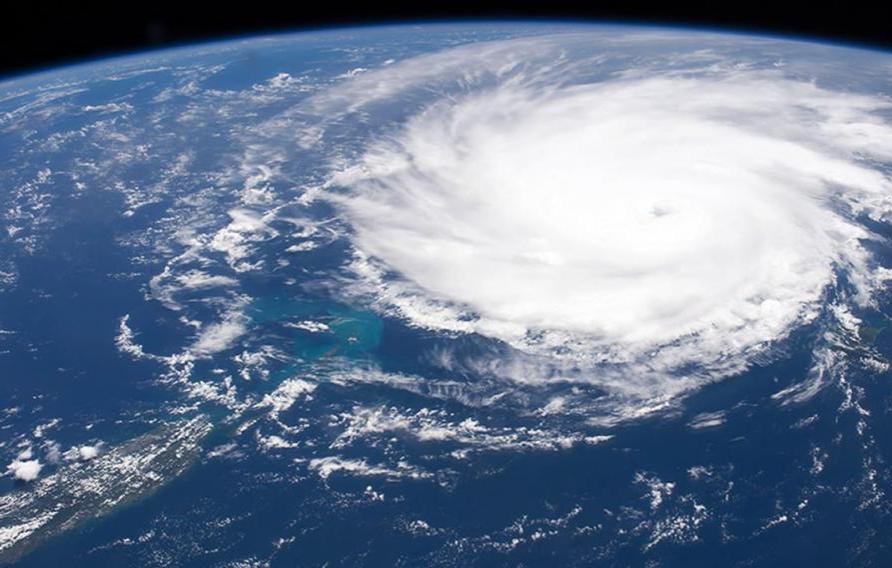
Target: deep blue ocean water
[{"x": 144, "y": 159}]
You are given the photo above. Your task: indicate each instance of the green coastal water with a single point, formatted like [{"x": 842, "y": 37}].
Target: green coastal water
[{"x": 318, "y": 329}]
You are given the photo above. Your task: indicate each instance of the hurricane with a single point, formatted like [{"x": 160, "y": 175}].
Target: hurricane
[
  {"x": 465, "y": 294},
  {"x": 646, "y": 227}
]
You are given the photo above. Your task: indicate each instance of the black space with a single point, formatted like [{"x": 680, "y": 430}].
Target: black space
[{"x": 37, "y": 34}]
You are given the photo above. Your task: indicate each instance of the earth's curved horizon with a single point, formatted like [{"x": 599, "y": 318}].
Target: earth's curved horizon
[{"x": 488, "y": 293}]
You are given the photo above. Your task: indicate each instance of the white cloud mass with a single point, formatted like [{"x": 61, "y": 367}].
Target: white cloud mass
[
  {"x": 25, "y": 470},
  {"x": 660, "y": 220}
]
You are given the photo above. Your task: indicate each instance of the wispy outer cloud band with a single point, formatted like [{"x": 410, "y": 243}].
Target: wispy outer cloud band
[{"x": 660, "y": 220}]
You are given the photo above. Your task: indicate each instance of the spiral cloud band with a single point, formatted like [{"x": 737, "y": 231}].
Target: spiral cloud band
[{"x": 662, "y": 219}]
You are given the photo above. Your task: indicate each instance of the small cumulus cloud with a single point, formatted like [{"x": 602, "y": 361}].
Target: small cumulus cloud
[{"x": 24, "y": 470}]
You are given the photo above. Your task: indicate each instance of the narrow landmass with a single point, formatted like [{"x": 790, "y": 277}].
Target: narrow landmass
[{"x": 86, "y": 490}]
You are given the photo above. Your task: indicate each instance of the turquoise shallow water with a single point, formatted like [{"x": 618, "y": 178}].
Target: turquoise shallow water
[{"x": 347, "y": 333}]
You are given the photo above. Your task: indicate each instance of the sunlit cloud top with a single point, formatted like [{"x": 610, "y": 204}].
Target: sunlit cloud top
[{"x": 661, "y": 220}]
